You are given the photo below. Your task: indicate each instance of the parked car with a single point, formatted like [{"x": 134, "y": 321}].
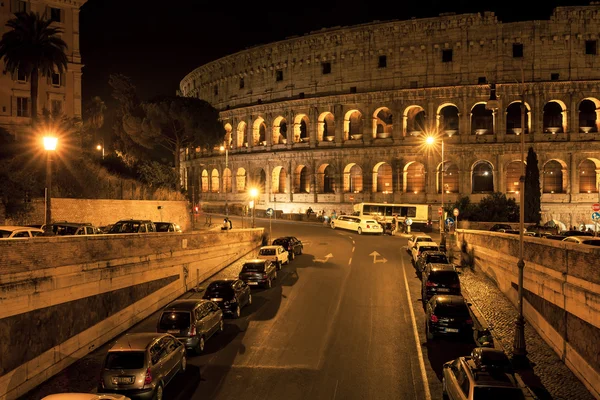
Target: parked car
[
  {"x": 431, "y": 257},
  {"x": 291, "y": 244},
  {"x": 542, "y": 230},
  {"x": 167, "y": 227},
  {"x": 85, "y": 396},
  {"x": 140, "y": 365},
  {"x": 191, "y": 321},
  {"x": 357, "y": 224},
  {"x": 133, "y": 226},
  {"x": 73, "y": 228},
  {"x": 421, "y": 247},
  {"x": 414, "y": 239},
  {"x": 576, "y": 233},
  {"x": 276, "y": 254},
  {"x": 258, "y": 272},
  {"x": 486, "y": 374},
  {"x": 500, "y": 227},
  {"x": 555, "y": 237},
  {"x": 15, "y": 232},
  {"x": 448, "y": 315},
  {"x": 590, "y": 241},
  {"x": 439, "y": 279},
  {"x": 230, "y": 295}
]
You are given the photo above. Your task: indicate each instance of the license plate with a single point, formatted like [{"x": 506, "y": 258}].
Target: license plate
[
  {"x": 452, "y": 330},
  {"x": 173, "y": 331},
  {"x": 252, "y": 283},
  {"x": 123, "y": 380},
  {"x": 443, "y": 290}
]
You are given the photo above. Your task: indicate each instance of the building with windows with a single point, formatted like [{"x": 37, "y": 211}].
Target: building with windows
[
  {"x": 339, "y": 116},
  {"x": 60, "y": 93}
]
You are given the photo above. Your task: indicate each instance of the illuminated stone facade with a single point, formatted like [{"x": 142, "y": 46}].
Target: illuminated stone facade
[
  {"x": 61, "y": 93},
  {"x": 340, "y": 115}
]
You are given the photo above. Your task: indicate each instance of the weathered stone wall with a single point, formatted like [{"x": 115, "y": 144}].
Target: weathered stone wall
[
  {"x": 561, "y": 292},
  {"x": 61, "y": 297}
]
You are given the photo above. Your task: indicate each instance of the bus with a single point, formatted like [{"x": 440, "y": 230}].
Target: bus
[{"x": 384, "y": 213}]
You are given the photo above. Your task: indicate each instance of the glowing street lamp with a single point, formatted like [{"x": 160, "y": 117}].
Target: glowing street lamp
[
  {"x": 226, "y": 149},
  {"x": 50, "y": 143},
  {"x": 430, "y": 141},
  {"x": 253, "y": 195}
]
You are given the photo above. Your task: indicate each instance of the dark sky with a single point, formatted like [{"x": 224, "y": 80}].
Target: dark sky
[{"x": 157, "y": 43}]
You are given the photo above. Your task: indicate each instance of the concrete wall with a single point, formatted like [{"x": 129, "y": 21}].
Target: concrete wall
[
  {"x": 561, "y": 292},
  {"x": 61, "y": 297}
]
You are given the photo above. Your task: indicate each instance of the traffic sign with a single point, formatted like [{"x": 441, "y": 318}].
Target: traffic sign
[
  {"x": 269, "y": 212},
  {"x": 408, "y": 221},
  {"x": 596, "y": 216},
  {"x": 449, "y": 221},
  {"x": 455, "y": 212},
  {"x": 440, "y": 211},
  {"x": 596, "y": 207}
]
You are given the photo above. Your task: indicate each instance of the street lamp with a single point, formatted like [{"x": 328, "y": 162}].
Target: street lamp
[
  {"x": 226, "y": 149},
  {"x": 431, "y": 141},
  {"x": 100, "y": 147},
  {"x": 253, "y": 195},
  {"x": 50, "y": 146}
]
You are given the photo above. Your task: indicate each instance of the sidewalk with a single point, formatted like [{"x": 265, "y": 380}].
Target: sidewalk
[{"x": 548, "y": 377}]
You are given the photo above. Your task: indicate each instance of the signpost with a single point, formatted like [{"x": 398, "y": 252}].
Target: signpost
[
  {"x": 595, "y": 208},
  {"x": 440, "y": 211},
  {"x": 455, "y": 212},
  {"x": 408, "y": 223},
  {"x": 270, "y": 213}
]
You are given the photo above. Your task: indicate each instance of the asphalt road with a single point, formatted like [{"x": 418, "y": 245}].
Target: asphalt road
[{"x": 343, "y": 321}]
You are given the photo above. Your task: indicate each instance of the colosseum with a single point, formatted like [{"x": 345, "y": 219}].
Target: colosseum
[{"x": 340, "y": 116}]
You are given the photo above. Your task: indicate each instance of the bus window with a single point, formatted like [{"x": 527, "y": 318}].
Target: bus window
[{"x": 411, "y": 212}]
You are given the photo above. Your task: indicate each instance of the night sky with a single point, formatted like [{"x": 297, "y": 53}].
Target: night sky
[{"x": 157, "y": 43}]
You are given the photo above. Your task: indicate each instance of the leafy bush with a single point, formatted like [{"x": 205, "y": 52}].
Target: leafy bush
[{"x": 493, "y": 208}]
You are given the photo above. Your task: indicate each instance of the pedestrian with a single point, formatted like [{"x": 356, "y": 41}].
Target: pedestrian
[
  {"x": 230, "y": 223},
  {"x": 333, "y": 215}
]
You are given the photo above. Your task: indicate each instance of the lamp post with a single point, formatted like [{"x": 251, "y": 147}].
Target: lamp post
[
  {"x": 253, "y": 195},
  {"x": 430, "y": 141},
  {"x": 226, "y": 149},
  {"x": 100, "y": 147},
  {"x": 50, "y": 146}
]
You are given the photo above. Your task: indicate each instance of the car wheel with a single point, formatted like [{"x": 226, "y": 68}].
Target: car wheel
[
  {"x": 158, "y": 394},
  {"x": 221, "y": 326},
  {"x": 444, "y": 390},
  {"x": 359, "y": 231},
  {"x": 200, "y": 347},
  {"x": 293, "y": 255},
  {"x": 238, "y": 311},
  {"x": 428, "y": 332},
  {"x": 183, "y": 364},
  {"x": 332, "y": 226},
  {"x": 300, "y": 250},
  {"x": 249, "y": 299}
]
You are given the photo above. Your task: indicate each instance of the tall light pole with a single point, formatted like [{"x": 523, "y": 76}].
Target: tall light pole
[
  {"x": 253, "y": 195},
  {"x": 100, "y": 147},
  {"x": 50, "y": 146},
  {"x": 226, "y": 149},
  {"x": 430, "y": 141}
]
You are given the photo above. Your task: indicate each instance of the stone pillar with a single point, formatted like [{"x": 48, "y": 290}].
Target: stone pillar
[
  {"x": 574, "y": 181},
  {"x": 397, "y": 133},
  {"x": 499, "y": 176},
  {"x": 367, "y": 129},
  {"x": 312, "y": 127},
  {"x": 538, "y": 114},
  {"x": 290, "y": 181},
  {"x": 250, "y": 134},
  {"x": 367, "y": 182},
  {"x": 338, "y": 115},
  {"x": 430, "y": 176},
  {"x": 269, "y": 132},
  {"x": 290, "y": 132},
  {"x": 404, "y": 125},
  {"x": 573, "y": 120}
]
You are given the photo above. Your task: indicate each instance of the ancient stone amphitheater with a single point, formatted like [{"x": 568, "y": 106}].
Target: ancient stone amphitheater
[{"x": 339, "y": 116}]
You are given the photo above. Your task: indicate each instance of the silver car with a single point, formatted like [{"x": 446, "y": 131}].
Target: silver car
[{"x": 140, "y": 365}]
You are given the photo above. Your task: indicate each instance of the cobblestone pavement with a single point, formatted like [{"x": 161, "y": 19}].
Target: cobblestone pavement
[{"x": 549, "y": 377}]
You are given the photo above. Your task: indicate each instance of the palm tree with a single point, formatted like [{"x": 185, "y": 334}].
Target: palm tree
[
  {"x": 33, "y": 47},
  {"x": 94, "y": 116}
]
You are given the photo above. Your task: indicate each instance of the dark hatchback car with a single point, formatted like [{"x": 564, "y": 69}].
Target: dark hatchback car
[
  {"x": 258, "y": 272},
  {"x": 167, "y": 227},
  {"x": 230, "y": 295},
  {"x": 501, "y": 228},
  {"x": 448, "y": 315},
  {"x": 191, "y": 321},
  {"x": 132, "y": 226},
  {"x": 431, "y": 257},
  {"x": 291, "y": 244},
  {"x": 439, "y": 279}
]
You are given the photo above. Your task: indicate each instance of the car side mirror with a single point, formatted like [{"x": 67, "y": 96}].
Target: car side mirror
[{"x": 469, "y": 304}]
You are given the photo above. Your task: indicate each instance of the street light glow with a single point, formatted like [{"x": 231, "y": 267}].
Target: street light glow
[
  {"x": 99, "y": 147},
  {"x": 50, "y": 143},
  {"x": 430, "y": 140},
  {"x": 253, "y": 192},
  {"x": 222, "y": 148}
]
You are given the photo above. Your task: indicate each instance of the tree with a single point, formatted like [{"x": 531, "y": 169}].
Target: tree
[
  {"x": 497, "y": 208},
  {"x": 465, "y": 207},
  {"x": 175, "y": 123},
  {"x": 33, "y": 48},
  {"x": 94, "y": 116},
  {"x": 533, "y": 193}
]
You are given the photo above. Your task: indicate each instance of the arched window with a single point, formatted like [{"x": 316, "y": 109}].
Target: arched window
[
  {"x": 513, "y": 174},
  {"x": 205, "y": 187},
  {"x": 587, "y": 177},
  {"x": 301, "y": 128},
  {"x": 382, "y": 123},
  {"x": 483, "y": 178},
  {"x": 382, "y": 178},
  {"x": 415, "y": 177},
  {"x": 553, "y": 119},
  {"x": 279, "y": 130},
  {"x": 259, "y": 132},
  {"x": 353, "y": 125},
  {"x": 240, "y": 180},
  {"x": 588, "y": 117},
  {"x": 301, "y": 180},
  {"x": 326, "y": 127},
  {"x": 513, "y": 118},
  {"x": 215, "y": 181},
  {"x": 242, "y": 137},
  {"x": 279, "y": 180},
  {"x": 326, "y": 179},
  {"x": 553, "y": 177},
  {"x": 353, "y": 179},
  {"x": 482, "y": 120},
  {"x": 415, "y": 120},
  {"x": 227, "y": 180},
  {"x": 450, "y": 172},
  {"x": 448, "y": 122}
]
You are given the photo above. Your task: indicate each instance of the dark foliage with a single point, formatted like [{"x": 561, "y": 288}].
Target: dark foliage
[
  {"x": 493, "y": 208},
  {"x": 533, "y": 193}
]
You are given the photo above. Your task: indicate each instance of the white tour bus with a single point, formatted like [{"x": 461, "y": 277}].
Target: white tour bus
[{"x": 420, "y": 214}]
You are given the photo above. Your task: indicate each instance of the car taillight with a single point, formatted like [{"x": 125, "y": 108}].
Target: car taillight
[
  {"x": 434, "y": 318},
  {"x": 455, "y": 285},
  {"x": 431, "y": 284},
  {"x": 264, "y": 276},
  {"x": 368, "y": 226},
  {"x": 148, "y": 379},
  {"x": 193, "y": 330},
  {"x": 469, "y": 322}
]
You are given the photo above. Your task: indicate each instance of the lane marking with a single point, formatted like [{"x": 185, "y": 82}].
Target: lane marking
[
  {"x": 350, "y": 261},
  {"x": 336, "y": 386},
  {"x": 416, "y": 333},
  {"x": 353, "y": 248}
]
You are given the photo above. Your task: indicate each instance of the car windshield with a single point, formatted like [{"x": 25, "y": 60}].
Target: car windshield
[
  {"x": 125, "y": 227},
  {"x": 125, "y": 360},
  {"x": 65, "y": 230},
  {"x": 429, "y": 248},
  {"x": 280, "y": 242},
  {"x": 497, "y": 393},
  {"x": 452, "y": 310},
  {"x": 162, "y": 226},
  {"x": 175, "y": 320},
  {"x": 5, "y": 234},
  {"x": 437, "y": 259},
  {"x": 444, "y": 277},
  {"x": 253, "y": 268},
  {"x": 423, "y": 239},
  {"x": 591, "y": 242},
  {"x": 267, "y": 252}
]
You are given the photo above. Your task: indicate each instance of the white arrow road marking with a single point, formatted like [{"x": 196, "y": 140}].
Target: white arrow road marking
[
  {"x": 375, "y": 260},
  {"x": 327, "y": 257}
]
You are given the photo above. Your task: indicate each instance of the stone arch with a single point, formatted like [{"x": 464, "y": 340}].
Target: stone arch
[
  {"x": 447, "y": 119},
  {"x": 259, "y": 132},
  {"x": 588, "y": 175},
  {"x": 414, "y": 177},
  {"x": 553, "y": 174},
  {"x": 353, "y": 178},
  {"x": 326, "y": 179},
  {"x": 326, "y": 127},
  {"x": 382, "y": 123},
  {"x": 482, "y": 177},
  {"x": 227, "y": 180},
  {"x": 301, "y": 179},
  {"x": 205, "y": 185},
  {"x": 554, "y": 118},
  {"x": 228, "y": 137},
  {"x": 279, "y": 180},
  {"x": 301, "y": 122},
  {"x": 383, "y": 178},
  {"x": 414, "y": 120},
  {"x": 450, "y": 177},
  {"x": 353, "y": 120},
  {"x": 279, "y": 130},
  {"x": 214, "y": 181},
  {"x": 242, "y": 136},
  {"x": 482, "y": 119},
  {"x": 513, "y": 118},
  {"x": 589, "y": 115},
  {"x": 512, "y": 173},
  {"x": 240, "y": 179}
]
